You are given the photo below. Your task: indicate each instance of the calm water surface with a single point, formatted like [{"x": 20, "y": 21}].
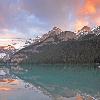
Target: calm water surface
[{"x": 49, "y": 82}]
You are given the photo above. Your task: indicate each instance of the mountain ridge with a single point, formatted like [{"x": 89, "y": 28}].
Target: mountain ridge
[{"x": 54, "y": 49}]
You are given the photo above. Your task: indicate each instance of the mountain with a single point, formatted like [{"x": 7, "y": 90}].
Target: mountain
[
  {"x": 96, "y": 30},
  {"x": 87, "y": 32},
  {"x": 17, "y": 43},
  {"x": 6, "y": 52},
  {"x": 62, "y": 47},
  {"x": 84, "y": 29},
  {"x": 56, "y": 35},
  {"x": 9, "y": 46}
]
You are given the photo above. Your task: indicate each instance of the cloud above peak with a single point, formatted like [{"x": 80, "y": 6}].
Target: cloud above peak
[{"x": 34, "y": 17}]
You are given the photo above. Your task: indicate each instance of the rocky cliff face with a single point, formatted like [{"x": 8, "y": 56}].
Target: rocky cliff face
[
  {"x": 66, "y": 35},
  {"x": 57, "y": 34}
]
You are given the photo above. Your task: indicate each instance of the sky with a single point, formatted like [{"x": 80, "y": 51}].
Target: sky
[{"x": 31, "y": 18}]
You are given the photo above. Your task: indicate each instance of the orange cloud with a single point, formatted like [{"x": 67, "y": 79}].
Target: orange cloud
[
  {"x": 90, "y": 7},
  {"x": 80, "y": 23},
  {"x": 88, "y": 14}
]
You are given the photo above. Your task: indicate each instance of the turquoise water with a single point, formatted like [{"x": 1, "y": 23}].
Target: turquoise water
[{"x": 60, "y": 80}]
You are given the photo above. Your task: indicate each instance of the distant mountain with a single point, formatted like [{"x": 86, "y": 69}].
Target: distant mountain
[
  {"x": 18, "y": 43},
  {"x": 9, "y": 46},
  {"x": 59, "y": 46},
  {"x": 6, "y": 52},
  {"x": 6, "y": 48}
]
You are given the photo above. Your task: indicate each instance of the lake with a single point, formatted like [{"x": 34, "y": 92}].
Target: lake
[{"x": 49, "y": 82}]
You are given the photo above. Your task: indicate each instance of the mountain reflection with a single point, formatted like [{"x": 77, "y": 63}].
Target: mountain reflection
[
  {"x": 7, "y": 81},
  {"x": 13, "y": 88},
  {"x": 51, "y": 81}
]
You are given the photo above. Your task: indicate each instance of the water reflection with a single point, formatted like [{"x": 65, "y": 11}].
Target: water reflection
[
  {"x": 65, "y": 80},
  {"x": 13, "y": 88},
  {"x": 51, "y": 82}
]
